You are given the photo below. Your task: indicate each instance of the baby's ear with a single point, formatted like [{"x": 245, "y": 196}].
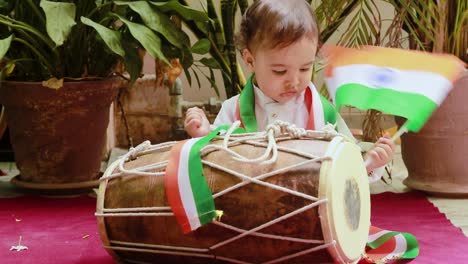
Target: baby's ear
[{"x": 248, "y": 58}]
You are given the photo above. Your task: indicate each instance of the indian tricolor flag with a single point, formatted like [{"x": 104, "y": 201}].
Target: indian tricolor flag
[
  {"x": 186, "y": 187},
  {"x": 384, "y": 246},
  {"x": 406, "y": 83}
]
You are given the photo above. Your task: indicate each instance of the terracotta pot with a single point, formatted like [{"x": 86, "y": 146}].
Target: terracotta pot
[
  {"x": 58, "y": 135},
  {"x": 436, "y": 157}
]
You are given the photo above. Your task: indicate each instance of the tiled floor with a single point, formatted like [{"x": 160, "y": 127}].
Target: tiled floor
[{"x": 456, "y": 210}]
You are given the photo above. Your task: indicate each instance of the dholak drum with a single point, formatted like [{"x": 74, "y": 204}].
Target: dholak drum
[{"x": 308, "y": 204}]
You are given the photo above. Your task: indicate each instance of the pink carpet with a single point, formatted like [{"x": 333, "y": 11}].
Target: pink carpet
[{"x": 64, "y": 230}]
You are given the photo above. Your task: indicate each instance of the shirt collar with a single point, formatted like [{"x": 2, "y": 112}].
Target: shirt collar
[{"x": 263, "y": 100}]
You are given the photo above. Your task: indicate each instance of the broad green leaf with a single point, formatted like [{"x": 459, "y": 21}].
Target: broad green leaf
[
  {"x": 210, "y": 62},
  {"x": 186, "y": 12},
  {"x": 186, "y": 58},
  {"x": 133, "y": 63},
  {"x": 111, "y": 38},
  {"x": 147, "y": 38},
  {"x": 159, "y": 22},
  {"x": 5, "y": 45},
  {"x": 60, "y": 18},
  {"x": 202, "y": 46},
  {"x": 203, "y": 27}
]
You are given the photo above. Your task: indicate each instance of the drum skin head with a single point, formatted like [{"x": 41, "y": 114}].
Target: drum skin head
[{"x": 345, "y": 218}]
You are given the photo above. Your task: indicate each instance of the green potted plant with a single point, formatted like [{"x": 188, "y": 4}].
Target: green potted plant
[{"x": 59, "y": 63}]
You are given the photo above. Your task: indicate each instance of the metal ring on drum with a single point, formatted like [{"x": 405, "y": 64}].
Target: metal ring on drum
[{"x": 310, "y": 205}]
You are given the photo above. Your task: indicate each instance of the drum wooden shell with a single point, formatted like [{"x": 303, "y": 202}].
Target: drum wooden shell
[{"x": 158, "y": 239}]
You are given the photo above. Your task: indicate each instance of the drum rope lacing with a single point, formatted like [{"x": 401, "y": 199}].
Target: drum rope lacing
[{"x": 275, "y": 132}]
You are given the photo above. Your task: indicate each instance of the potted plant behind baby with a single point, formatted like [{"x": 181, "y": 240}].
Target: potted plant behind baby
[
  {"x": 435, "y": 157},
  {"x": 59, "y": 63}
]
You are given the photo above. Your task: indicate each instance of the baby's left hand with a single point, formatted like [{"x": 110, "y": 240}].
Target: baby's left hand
[{"x": 381, "y": 154}]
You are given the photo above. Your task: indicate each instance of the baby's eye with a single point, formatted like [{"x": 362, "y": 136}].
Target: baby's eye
[
  {"x": 279, "y": 72},
  {"x": 305, "y": 69}
]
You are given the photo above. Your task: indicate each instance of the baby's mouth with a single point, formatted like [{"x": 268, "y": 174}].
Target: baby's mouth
[{"x": 288, "y": 93}]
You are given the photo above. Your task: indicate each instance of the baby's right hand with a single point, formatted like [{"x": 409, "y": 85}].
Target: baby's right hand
[{"x": 196, "y": 123}]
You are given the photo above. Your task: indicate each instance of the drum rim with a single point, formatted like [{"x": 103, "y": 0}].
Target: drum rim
[
  {"x": 326, "y": 210},
  {"x": 100, "y": 209}
]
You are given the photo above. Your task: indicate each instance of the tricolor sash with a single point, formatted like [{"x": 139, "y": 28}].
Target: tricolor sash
[
  {"x": 318, "y": 117},
  {"x": 384, "y": 246},
  {"x": 187, "y": 190}
]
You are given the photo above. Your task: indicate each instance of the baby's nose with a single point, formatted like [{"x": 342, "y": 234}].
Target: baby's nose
[{"x": 294, "y": 81}]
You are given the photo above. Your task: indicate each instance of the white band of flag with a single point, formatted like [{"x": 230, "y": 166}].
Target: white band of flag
[{"x": 431, "y": 85}]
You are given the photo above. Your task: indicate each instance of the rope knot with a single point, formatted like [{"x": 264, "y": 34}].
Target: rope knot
[
  {"x": 275, "y": 128},
  {"x": 133, "y": 151},
  {"x": 281, "y": 127}
]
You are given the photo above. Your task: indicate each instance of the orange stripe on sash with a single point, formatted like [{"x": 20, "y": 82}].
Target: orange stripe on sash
[{"x": 172, "y": 186}]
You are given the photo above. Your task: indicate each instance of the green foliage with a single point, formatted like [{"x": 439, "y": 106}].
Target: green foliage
[
  {"x": 84, "y": 39},
  {"x": 40, "y": 39}
]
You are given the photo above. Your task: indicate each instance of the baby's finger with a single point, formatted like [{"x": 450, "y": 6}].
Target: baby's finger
[
  {"x": 195, "y": 110},
  {"x": 195, "y": 115},
  {"x": 193, "y": 123},
  {"x": 387, "y": 142},
  {"x": 383, "y": 156},
  {"x": 387, "y": 148}
]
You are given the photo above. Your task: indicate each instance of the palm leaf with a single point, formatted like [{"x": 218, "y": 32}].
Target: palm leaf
[{"x": 362, "y": 30}]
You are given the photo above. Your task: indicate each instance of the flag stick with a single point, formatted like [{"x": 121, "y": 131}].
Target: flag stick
[{"x": 400, "y": 132}]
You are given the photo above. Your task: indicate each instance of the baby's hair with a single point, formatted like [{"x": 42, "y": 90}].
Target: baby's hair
[{"x": 276, "y": 23}]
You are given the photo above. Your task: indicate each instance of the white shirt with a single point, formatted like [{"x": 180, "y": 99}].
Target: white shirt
[{"x": 268, "y": 110}]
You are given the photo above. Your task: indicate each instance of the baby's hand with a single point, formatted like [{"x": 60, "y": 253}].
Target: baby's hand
[
  {"x": 196, "y": 123},
  {"x": 381, "y": 154}
]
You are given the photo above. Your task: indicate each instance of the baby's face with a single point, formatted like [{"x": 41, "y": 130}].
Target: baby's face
[{"x": 283, "y": 73}]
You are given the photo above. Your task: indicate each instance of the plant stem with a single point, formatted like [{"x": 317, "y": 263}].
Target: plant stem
[
  {"x": 36, "y": 11},
  {"x": 38, "y": 54},
  {"x": 17, "y": 24},
  {"x": 97, "y": 9}
]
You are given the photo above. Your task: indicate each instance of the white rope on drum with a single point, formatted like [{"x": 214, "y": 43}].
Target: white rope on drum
[
  {"x": 132, "y": 154},
  {"x": 274, "y": 130},
  {"x": 140, "y": 150}
]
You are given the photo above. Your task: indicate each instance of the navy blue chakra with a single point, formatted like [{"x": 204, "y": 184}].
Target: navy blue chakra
[{"x": 382, "y": 77}]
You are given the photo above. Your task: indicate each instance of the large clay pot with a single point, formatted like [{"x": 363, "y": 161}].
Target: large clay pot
[
  {"x": 436, "y": 157},
  {"x": 58, "y": 135}
]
